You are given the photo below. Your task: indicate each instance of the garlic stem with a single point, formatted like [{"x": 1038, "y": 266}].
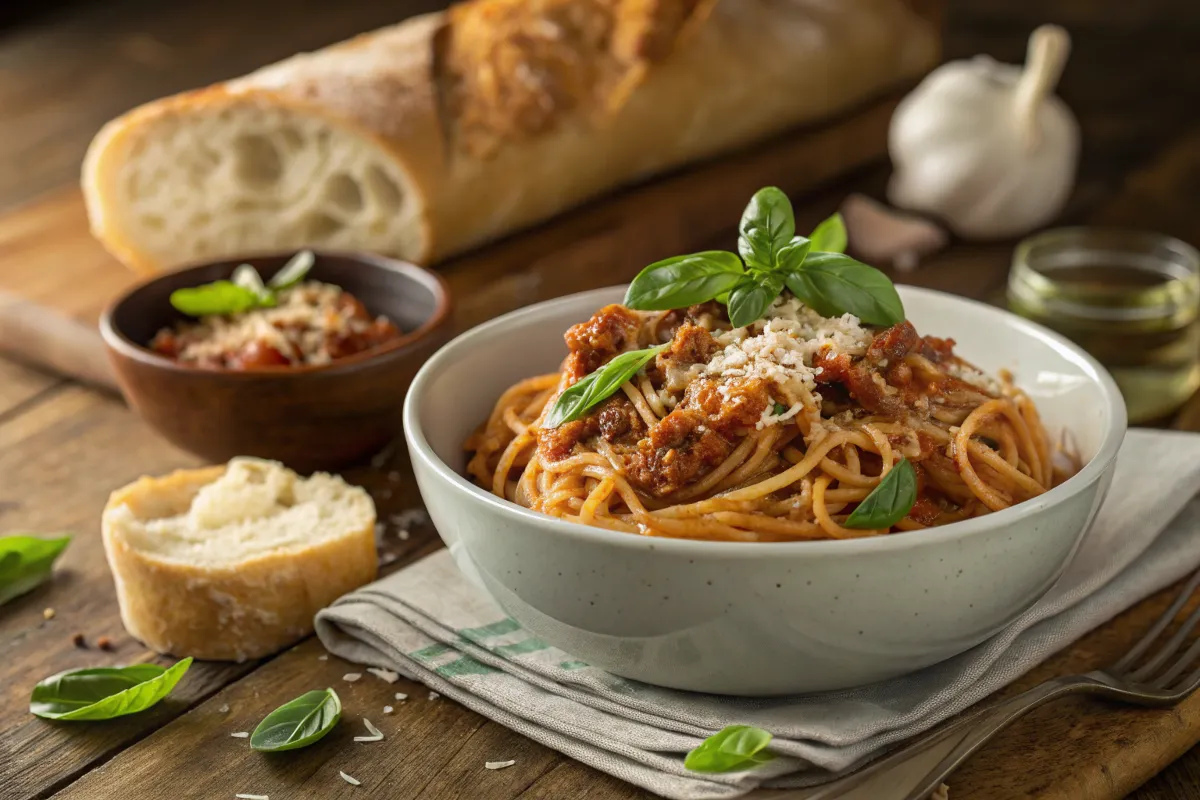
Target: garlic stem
[{"x": 1049, "y": 47}]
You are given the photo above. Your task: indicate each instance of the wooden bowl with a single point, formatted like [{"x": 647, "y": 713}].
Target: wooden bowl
[{"x": 310, "y": 417}]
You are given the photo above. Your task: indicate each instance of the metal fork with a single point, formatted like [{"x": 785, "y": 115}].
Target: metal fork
[{"x": 1161, "y": 680}]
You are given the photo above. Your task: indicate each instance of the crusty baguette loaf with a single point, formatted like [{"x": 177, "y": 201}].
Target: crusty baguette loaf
[
  {"x": 430, "y": 136},
  {"x": 231, "y": 563}
]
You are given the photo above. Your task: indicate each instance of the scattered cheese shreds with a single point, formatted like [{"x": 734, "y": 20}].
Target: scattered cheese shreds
[
  {"x": 323, "y": 657},
  {"x": 384, "y": 674},
  {"x": 350, "y": 780},
  {"x": 434, "y": 695},
  {"x": 376, "y": 734},
  {"x": 401, "y": 696},
  {"x": 388, "y": 709},
  {"x": 252, "y": 797},
  {"x": 240, "y": 735},
  {"x": 224, "y": 709},
  {"x": 351, "y": 677},
  {"x": 499, "y": 764}
]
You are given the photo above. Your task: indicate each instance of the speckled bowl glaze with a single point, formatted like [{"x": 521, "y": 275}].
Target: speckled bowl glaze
[{"x": 760, "y": 619}]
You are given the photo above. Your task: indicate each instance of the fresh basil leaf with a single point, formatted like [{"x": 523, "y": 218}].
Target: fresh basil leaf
[
  {"x": 592, "y": 389},
  {"x": 830, "y": 235},
  {"x": 752, "y": 296},
  {"x": 735, "y": 748},
  {"x": 779, "y": 408},
  {"x": 834, "y": 284},
  {"x": 293, "y": 271},
  {"x": 104, "y": 692},
  {"x": 218, "y": 297},
  {"x": 298, "y": 723},
  {"x": 792, "y": 254},
  {"x": 683, "y": 281},
  {"x": 26, "y": 562},
  {"x": 889, "y": 502},
  {"x": 767, "y": 225}
]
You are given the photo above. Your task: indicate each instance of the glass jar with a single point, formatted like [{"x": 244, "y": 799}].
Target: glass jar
[{"x": 1129, "y": 298}]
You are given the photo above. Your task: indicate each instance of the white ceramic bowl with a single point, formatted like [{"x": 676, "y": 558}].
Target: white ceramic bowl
[{"x": 772, "y": 618}]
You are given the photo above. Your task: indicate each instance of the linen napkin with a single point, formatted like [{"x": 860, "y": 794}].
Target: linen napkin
[{"x": 429, "y": 623}]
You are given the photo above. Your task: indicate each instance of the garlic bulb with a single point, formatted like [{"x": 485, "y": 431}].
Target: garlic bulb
[{"x": 988, "y": 147}]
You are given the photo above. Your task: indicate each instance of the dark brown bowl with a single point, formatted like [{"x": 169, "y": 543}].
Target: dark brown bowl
[{"x": 310, "y": 417}]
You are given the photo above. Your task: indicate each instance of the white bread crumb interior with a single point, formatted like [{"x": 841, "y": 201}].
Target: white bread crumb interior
[{"x": 232, "y": 562}]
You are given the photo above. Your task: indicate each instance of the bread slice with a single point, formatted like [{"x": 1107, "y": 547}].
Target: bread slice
[
  {"x": 231, "y": 562},
  {"x": 426, "y": 138}
]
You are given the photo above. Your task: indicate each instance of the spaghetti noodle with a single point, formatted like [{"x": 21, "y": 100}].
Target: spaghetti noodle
[{"x": 772, "y": 432}]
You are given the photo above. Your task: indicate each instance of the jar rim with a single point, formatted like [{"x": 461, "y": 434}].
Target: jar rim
[{"x": 1035, "y": 259}]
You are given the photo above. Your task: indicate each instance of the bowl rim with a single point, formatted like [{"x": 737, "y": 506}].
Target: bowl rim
[
  {"x": 1093, "y": 471},
  {"x": 118, "y": 341}
]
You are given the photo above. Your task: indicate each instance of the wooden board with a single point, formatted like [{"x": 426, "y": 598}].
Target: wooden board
[{"x": 62, "y": 454}]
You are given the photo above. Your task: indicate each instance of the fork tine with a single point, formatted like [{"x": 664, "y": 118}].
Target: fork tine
[
  {"x": 1181, "y": 663},
  {"x": 1159, "y": 626},
  {"x": 1144, "y": 673}
]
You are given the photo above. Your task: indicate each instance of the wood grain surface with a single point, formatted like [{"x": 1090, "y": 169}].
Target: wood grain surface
[{"x": 1134, "y": 79}]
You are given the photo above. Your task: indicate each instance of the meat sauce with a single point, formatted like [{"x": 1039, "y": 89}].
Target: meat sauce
[
  {"x": 312, "y": 323},
  {"x": 714, "y": 414}
]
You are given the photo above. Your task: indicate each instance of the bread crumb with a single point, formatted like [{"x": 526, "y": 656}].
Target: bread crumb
[
  {"x": 48, "y": 613},
  {"x": 105, "y": 643},
  {"x": 384, "y": 674},
  {"x": 350, "y": 780},
  {"x": 351, "y": 677},
  {"x": 79, "y": 641},
  {"x": 499, "y": 764},
  {"x": 388, "y": 709},
  {"x": 240, "y": 735}
]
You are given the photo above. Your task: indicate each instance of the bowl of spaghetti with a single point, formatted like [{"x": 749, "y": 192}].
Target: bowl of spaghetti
[{"x": 800, "y": 503}]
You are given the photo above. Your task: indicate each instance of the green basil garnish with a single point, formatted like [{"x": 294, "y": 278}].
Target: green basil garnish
[
  {"x": 889, "y": 502},
  {"x": 26, "y": 562},
  {"x": 737, "y": 747},
  {"x": 683, "y": 281},
  {"x": 752, "y": 296},
  {"x": 779, "y": 408},
  {"x": 218, "y": 297},
  {"x": 298, "y": 723},
  {"x": 814, "y": 268},
  {"x": 244, "y": 291},
  {"x": 293, "y": 271},
  {"x": 830, "y": 235},
  {"x": 834, "y": 284},
  {"x": 592, "y": 389},
  {"x": 104, "y": 692},
  {"x": 767, "y": 225}
]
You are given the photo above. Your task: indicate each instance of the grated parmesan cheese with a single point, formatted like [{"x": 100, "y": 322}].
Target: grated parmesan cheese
[
  {"x": 780, "y": 349},
  {"x": 968, "y": 374},
  {"x": 384, "y": 674},
  {"x": 350, "y": 779}
]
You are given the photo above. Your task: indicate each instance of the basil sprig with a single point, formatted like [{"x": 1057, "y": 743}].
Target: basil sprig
[
  {"x": 737, "y": 747},
  {"x": 104, "y": 692},
  {"x": 890, "y": 500},
  {"x": 298, "y": 723},
  {"x": 770, "y": 256},
  {"x": 26, "y": 562},
  {"x": 589, "y": 391},
  {"x": 244, "y": 291}
]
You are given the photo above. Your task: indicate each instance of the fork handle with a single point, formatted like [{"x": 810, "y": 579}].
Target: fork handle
[{"x": 996, "y": 719}]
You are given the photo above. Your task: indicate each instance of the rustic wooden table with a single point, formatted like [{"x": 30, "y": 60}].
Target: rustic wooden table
[{"x": 1134, "y": 80}]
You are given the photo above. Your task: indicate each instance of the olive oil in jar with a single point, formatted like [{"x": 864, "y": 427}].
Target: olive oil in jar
[{"x": 1130, "y": 299}]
